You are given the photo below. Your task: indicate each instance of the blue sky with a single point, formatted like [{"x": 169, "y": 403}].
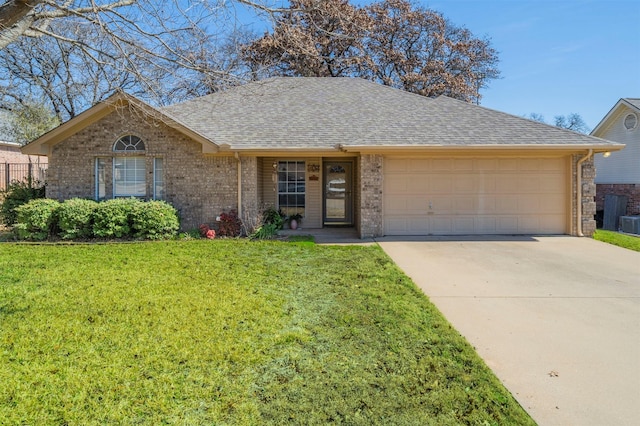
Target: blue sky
[{"x": 556, "y": 56}]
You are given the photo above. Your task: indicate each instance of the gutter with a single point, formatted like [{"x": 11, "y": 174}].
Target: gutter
[{"x": 579, "y": 191}]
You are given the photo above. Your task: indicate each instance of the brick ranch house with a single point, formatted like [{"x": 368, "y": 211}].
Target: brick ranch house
[{"x": 340, "y": 151}]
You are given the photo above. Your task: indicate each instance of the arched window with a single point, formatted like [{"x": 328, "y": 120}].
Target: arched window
[
  {"x": 129, "y": 172},
  {"x": 130, "y": 164},
  {"x": 129, "y": 143}
]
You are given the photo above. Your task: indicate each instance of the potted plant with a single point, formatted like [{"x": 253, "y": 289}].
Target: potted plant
[{"x": 294, "y": 220}]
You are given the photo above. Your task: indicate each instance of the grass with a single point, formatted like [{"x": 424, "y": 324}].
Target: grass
[
  {"x": 230, "y": 332},
  {"x": 623, "y": 240}
]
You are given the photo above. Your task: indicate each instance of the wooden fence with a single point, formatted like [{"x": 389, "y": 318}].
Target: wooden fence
[{"x": 21, "y": 172}]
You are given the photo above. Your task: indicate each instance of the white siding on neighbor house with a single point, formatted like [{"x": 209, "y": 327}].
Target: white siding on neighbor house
[
  {"x": 622, "y": 166},
  {"x": 313, "y": 200}
]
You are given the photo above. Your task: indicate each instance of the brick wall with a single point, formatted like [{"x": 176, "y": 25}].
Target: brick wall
[
  {"x": 199, "y": 186},
  {"x": 632, "y": 191},
  {"x": 588, "y": 195},
  {"x": 12, "y": 154},
  {"x": 371, "y": 179}
]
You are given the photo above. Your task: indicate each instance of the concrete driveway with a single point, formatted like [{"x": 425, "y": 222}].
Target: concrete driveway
[{"x": 556, "y": 318}]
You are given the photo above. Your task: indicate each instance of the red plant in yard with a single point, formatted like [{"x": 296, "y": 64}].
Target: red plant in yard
[
  {"x": 207, "y": 232},
  {"x": 229, "y": 225}
]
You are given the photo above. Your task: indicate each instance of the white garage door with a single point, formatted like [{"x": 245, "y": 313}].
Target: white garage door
[{"x": 461, "y": 196}]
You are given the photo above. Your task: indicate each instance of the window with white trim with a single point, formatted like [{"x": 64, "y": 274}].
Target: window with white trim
[
  {"x": 291, "y": 187},
  {"x": 129, "y": 143},
  {"x": 158, "y": 179},
  {"x": 129, "y": 177},
  {"x": 101, "y": 190}
]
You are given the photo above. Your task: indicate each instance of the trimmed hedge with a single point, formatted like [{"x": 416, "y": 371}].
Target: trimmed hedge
[
  {"x": 112, "y": 218},
  {"x": 36, "y": 220},
  {"x": 78, "y": 218},
  {"x": 154, "y": 220},
  {"x": 75, "y": 218}
]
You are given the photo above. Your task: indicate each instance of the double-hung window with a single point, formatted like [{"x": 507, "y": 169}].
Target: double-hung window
[{"x": 291, "y": 187}]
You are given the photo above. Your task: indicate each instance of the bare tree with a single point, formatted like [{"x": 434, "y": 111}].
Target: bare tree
[
  {"x": 73, "y": 53},
  {"x": 418, "y": 50},
  {"x": 314, "y": 38},
  {"x": 391, "y": 42},
  {"x": 59, "y": 73},
  {"x": 572, "y": 121}
]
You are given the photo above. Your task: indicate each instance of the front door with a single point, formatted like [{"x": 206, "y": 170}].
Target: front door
[{"x": 338, "y": 193}]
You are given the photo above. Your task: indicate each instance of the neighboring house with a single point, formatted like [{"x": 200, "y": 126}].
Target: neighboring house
[
  {"x": 341, "y": 151},
  {"x": 10, "y": 153},
  {"x": 619, "y": 174},
  {"x": 16, "y": 166}
]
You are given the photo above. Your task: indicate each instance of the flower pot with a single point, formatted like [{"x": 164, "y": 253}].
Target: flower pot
[{"x": 293, "y": 224}]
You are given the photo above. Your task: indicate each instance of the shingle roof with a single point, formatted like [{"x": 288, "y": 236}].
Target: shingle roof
[{"x": 322, "y": 113}]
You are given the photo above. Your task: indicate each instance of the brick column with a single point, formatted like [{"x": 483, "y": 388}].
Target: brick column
[
  {"x": 371, "y": 179},
  {"x": 587, "y": 202},
  {"x": 249, "y": 183}
]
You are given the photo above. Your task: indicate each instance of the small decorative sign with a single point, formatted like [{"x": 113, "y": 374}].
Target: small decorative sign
[
  {"x": 313, "y": 168},
  {"x": 313, "y": 177}
]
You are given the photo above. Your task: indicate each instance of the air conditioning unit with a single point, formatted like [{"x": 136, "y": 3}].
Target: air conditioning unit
[{"x": 630, "y": 224}]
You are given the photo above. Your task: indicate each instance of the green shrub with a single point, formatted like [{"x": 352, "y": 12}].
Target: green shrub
[
  {"x": 17, "y": 194},
  {"x": 154, "y": 220},
  {"x": 75, "y": 218},
  {"x": 274, "y": 217},
  {"x": 36, "y": 219},
  {"x": 112, "y": 218},
  {"x": 264, "y": 232}
]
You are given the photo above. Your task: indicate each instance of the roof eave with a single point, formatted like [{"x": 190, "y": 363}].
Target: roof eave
[
  {"x": 604, "y": 122},
  {"x": 43, "y": 145},
  {"x": 486, "y": 147}
]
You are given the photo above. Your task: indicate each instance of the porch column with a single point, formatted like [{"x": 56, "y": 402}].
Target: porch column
[
  {"x": 249, "y": 176},
  {"x": 587, "y": 203},
  {"x": 371, "y": 180}
]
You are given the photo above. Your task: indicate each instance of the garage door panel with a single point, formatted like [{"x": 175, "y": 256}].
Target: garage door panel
[
  {"x": 549, "y": 184},
  {"x": 528, "y": 184},
  {"x": 553, "y": 164},
  {"x": 507, "y": 204},
  {"x": 529, "y": 164},
  {"x": 396, "y": 184},
  {"x": 418, "y": 185},
  {"x": 507, "y": 186},
  {"x": 465, "y": 184},
  {"x": 507, "y": 165},
  {"x": 440, "y": 184},
  {"x": 486, "y": 224},
  {"x": 454, "y": 196},
  {"x": 465, "y": 205},
  {"x": 396, "y": 165},
  {"x": 438, "y": 165},
  {"x": 443, "y": 224},
  {"x": 461, "y": 165},
  {"x": 553, "y": 204},
  {"x": 487, "y": 204},
  {"x": 487, "y": 164}
]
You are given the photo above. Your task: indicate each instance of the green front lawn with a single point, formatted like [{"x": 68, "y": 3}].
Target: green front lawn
[
  {"x": 230, "y": 332},
  {"x": 623, "y": 240}
]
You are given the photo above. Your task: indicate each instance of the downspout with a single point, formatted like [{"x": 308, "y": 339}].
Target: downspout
[
  {"x": 579, "y": 191},
  {"x": 239, "y": 184}
]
